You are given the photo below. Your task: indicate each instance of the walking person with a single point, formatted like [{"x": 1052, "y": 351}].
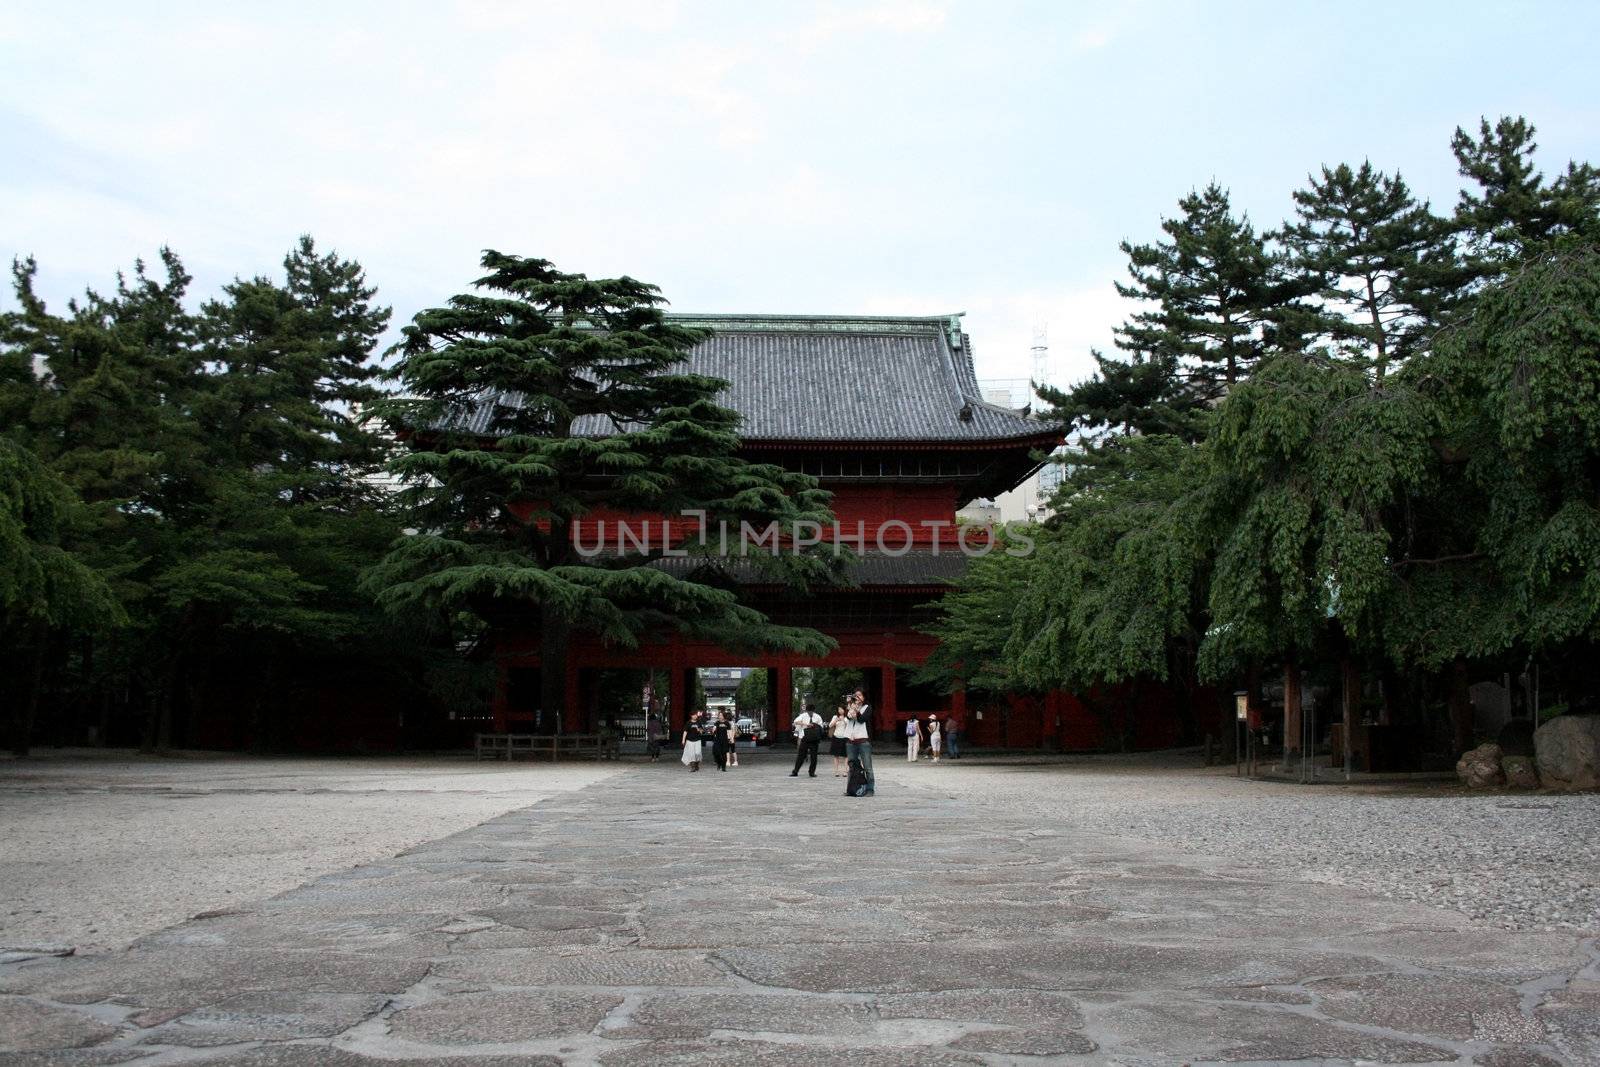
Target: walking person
[
  {"x": 952, "y": 737},
  {"x": 655, "y": 732},
  {"x": 719, "y": 741},
  {"x": 691, "y": 743},
  {"x": 913, "y": 739},
  {"x": 733, "y": 741},
  {"x": 935, "y": 738},
  {"x": 838, "y": 741},
  {"x": 807, "y": 735},
  {"x": 858, "y": 740}
]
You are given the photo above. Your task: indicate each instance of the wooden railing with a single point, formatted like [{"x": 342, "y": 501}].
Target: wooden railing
[{"x": 554, "y": 746}]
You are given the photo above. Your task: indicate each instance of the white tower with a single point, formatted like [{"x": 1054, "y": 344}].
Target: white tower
[{"x": 1040, "y": 351}]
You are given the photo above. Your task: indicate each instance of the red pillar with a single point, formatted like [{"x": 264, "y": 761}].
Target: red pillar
[
  {"x": 888, "y": 703},
  {"x": 783, "y": 706},
  {"x": 677, "y": 698},
  {"x": 502, "y": 683},
  {"x": 958, "y": 705},
  {"x": 571, "y": 713}
]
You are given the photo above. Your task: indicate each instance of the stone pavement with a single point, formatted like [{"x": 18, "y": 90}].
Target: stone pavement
[{"x": 660, "y": 917}]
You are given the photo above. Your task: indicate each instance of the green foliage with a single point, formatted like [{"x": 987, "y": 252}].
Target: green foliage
[
  {"x": 1515, "y": 210},
  {"x": 1374, "y": 254},
  {"x": 42, "y": 584},
  {"x": 1372, "y": 437},
  {"x": 1311, "y": 468},
  {"x": 1217, "y": 291},
  {"x": 217, "y": 479},
  {"x": 1519, "y": 384},
  {"x": 751, "y": 695}
]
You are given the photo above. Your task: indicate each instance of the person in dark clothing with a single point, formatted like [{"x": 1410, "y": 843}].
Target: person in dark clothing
[
  {"x": 655, "y": 732},
  {"x": 721, "y": 741},
  {"x": 807, "y": 735}
]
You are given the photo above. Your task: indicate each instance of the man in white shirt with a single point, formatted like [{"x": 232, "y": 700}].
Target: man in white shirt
[{"x": 807, "y": 735}]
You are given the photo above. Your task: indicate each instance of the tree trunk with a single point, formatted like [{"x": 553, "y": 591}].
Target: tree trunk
[
  {"x": 1293, "y": 713},
  {"x": 158, "y": 723},
  {"x": 1350, "y": 704},
  {"x": 1460, "y": 706},
  {"x": 28, "y": 706}
]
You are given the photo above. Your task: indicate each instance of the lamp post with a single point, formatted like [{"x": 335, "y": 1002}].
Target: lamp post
[{"x": 1241, "y": 712}]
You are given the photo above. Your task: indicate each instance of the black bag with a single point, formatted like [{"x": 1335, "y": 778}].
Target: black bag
[
  {"x": 856, "y": 784},
  {"x": 813, "y": 733}
]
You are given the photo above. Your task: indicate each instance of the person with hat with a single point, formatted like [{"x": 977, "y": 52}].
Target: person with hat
[{"x": 935, "y": 737}]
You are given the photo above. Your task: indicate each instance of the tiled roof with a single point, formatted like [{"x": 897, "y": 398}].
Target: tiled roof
[
  {"x": 918, "y": 567},
  {"x": 829, "y": 378}
]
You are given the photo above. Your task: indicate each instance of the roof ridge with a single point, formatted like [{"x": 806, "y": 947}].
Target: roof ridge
[{"x": 745, "y": 323}]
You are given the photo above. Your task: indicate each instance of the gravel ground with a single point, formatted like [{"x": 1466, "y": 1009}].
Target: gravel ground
[
  {"x": 1513, "y": 860},
  {"x": 100, "y": 849}
]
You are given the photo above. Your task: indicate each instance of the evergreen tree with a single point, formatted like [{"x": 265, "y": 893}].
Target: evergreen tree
[
  {"x": 1218, "y": 293},
  {"x": 1372, "y": 250},
  {"x": 1515, "y": 210},
  {"x": 584, "y": 405},
  {"x": 1126, "y": 396},
  {"x": 47, "y": 595}
]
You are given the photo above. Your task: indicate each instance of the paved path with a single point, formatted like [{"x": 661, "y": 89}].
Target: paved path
[{"x": 747, "y": 917}]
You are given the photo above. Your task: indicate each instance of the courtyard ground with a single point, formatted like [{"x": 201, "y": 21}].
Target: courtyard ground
[
  {"x": 1087, "y": 912},
  {"x": 100, "y": 848}
]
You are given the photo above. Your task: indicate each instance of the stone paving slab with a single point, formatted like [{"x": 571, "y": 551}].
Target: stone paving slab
[{"x": 661, "y": 917}]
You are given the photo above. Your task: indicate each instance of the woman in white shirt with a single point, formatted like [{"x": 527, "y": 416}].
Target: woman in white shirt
[
  {"x": 935, "y": 738},
  {"x": 838, "y": 740}
]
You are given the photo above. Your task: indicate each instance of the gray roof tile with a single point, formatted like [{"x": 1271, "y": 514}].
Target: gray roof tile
[{"x": 826, "y": 378}]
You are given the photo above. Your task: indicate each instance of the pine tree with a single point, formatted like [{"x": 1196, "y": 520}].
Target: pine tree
[
  {"x": 1139, "y": 396},
  {"x": 1219, "y": 296},
  {"x": 586, "y": 407},
  {"x": 1516, "y": 210},
  {"x": 1371, "y": 249}
]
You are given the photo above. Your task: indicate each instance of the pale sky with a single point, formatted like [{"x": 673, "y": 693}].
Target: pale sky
[{"x": 904, "y": 156}]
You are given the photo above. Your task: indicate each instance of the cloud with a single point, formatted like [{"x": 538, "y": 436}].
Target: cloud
[{"x": 894, "y": 16}]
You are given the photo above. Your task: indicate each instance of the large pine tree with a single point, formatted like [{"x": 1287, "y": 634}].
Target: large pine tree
[
  {"x": 1515, "y": 210},
  {"x": 1371, "y": 249},
  {"x": 1216, "y": 296},
  {"x": 584, "y": 405}
]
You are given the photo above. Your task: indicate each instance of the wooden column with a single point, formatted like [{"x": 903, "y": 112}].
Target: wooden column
[
  {"x": 677, "y": 699},
  {"x": 888, "y": 702},
  {"x": 502, "y": 687},
  {"x": 571, "y": 712},
  {"x": 783, "y": 704}
]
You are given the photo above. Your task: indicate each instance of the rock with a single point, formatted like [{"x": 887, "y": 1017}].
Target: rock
[
  {"x": 1568, "y": 752},
  {"x": 1516, "y": 738},
  {"x": 1519, "y": 772},
  {"x": 1479, "y": 768}
]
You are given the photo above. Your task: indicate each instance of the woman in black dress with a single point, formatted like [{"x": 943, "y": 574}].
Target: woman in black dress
[{"x": 721, "y": 741}]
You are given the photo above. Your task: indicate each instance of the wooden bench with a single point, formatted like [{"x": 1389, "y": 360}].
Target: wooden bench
[{"x": 555, "y": 746}]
